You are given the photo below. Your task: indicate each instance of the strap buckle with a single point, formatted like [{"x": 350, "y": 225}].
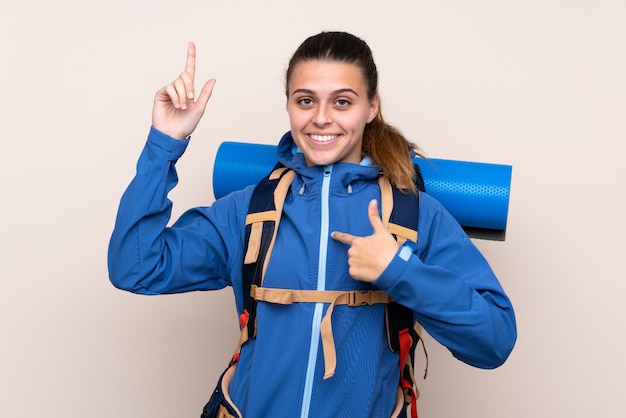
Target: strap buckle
[{"x": 360, "y": 298}]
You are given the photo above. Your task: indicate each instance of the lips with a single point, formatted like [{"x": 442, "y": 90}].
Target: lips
[{"x": 322, "y": 138}]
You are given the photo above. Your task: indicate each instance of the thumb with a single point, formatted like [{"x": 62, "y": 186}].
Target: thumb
[
  {"x": 372, "y": 213},
  {"x": 205, "y": 94}
]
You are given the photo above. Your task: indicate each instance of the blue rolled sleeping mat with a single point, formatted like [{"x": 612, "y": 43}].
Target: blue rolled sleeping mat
[{"x": 475, "y": 193}]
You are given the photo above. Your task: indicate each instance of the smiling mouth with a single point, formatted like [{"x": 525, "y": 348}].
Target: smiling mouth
[{"x": 322, "y": 138}]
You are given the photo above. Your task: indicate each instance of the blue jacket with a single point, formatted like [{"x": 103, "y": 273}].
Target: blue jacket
[{"x": 447, "y": 283}]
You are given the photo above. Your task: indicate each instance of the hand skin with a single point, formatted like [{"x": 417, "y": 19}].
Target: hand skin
[
  {"x": 369, "y": 256},
  {"x": 175, "y": 112}
]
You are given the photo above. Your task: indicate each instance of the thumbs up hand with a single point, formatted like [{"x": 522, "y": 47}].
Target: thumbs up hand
[{"x": 369, "y": 256}]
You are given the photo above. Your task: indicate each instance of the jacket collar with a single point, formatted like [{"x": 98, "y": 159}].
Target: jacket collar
[{"x": 290, "y": 156}]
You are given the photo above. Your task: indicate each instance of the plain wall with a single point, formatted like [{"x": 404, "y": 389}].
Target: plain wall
[{"x": 536, "y": 84}]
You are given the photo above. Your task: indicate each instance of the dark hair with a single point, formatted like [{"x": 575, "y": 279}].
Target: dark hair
[{"x": 385, "y": 144}]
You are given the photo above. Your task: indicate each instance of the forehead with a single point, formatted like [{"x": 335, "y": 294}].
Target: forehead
[{"x": 321, "y": 75}]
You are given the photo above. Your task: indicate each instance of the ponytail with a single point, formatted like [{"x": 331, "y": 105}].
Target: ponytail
[{"x": 391, "y": 151}]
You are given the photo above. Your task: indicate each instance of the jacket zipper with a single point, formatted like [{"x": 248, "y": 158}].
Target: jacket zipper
[{"x": 321, "y": 285}]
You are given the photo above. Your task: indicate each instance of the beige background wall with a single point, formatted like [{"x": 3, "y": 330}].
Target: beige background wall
[{"x": 537, "y": 84}]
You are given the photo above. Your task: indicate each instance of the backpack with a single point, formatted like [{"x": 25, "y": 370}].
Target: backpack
[{"x": 399, "y": 213}]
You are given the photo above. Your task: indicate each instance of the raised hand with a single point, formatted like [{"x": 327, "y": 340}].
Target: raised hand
[
  {"x": 369, "y": 256},
  {"x": 176, "y": 110}
]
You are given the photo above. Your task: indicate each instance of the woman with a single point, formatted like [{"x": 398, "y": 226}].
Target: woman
[{"x": 331, "y": 237}]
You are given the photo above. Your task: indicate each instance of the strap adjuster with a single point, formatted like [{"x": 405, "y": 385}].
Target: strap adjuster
[{"x": 360, "y": 298}]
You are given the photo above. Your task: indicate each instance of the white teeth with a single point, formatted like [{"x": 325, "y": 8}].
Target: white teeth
[{"x": 323, "y": 138}]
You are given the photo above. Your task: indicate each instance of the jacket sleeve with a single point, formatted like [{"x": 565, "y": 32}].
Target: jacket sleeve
[
  {"x": 145, "y": 255},
  {"x": 452, "y": 290}
]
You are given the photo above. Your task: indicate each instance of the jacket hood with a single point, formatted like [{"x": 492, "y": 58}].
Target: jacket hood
[{"x": 290, "y": 156}]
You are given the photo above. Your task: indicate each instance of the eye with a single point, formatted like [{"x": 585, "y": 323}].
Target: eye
[
  {"x": 305, "y": 101},
  {"x": 342, "y": 103}
]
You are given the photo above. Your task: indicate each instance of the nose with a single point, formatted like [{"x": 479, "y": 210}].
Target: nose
[{"x": 321, "y": 117}]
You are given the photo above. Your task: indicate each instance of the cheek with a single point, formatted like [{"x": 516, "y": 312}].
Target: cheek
[
  {"x": 296, "y": 118},
  {"x": 355, "y": 123}
]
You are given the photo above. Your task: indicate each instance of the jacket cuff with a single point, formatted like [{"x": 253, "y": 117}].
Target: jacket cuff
[
  {"x": 396, "y": 268},
  {"x": 175, "y": 147}
]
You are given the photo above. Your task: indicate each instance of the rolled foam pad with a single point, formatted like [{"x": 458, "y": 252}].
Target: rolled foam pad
[
  {"x": 475, "y": 193},
  {"x": 239, "y": 164}
]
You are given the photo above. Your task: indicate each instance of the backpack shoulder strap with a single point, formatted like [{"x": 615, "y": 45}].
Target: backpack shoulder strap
[
  {"x": 264, "y": 211},
  {"x": 264, "y": 214},
  {"x": 401, "y": 215}
]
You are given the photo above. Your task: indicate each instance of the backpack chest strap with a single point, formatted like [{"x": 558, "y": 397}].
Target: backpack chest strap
[
  {"x": 337, "y": 297},
  {"x": 333, "y": 297}
]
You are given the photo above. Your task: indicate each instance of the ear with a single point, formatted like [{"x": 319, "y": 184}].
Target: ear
[{"x": 374, "y": 108}]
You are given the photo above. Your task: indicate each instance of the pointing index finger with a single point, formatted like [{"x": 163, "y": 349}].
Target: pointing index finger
[
  {"x": 342, "y": 237},
  {"x": 190, "y": 65}
]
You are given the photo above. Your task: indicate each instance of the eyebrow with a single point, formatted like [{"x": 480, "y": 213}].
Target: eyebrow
[{"x": 334, "y": 93}]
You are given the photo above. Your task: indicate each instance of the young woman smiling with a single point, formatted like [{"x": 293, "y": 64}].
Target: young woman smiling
[{"x": 331, "y": 238}]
